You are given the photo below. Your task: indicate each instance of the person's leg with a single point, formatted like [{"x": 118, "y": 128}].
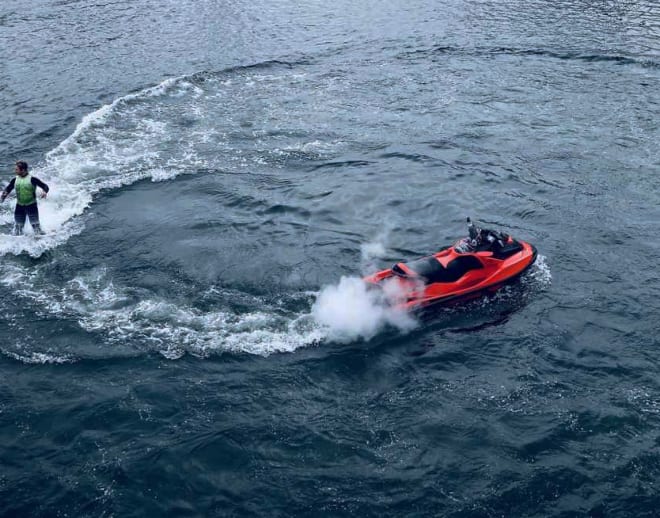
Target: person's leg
[
  {"x": 33, "y": 214},
  {"x": 19, "y": 219}
]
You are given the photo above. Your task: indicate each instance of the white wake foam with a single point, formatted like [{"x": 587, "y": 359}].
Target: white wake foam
[
  {"x": 540, "y": 271},
  {"x": 113, "y": 146},
  {"x": 139, "y": 136},
  {"x": 124, "y": 316}
]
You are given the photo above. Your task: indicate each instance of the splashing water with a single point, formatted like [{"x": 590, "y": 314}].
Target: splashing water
[{"x": 351, "y": 310}]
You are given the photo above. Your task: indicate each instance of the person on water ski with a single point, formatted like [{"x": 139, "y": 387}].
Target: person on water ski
[{"x": 26, "y": 198}]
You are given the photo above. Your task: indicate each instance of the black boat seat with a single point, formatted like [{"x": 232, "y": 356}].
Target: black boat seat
[
  {"x": 431, "y": 270},
  {"x": 507, "y": 250}
]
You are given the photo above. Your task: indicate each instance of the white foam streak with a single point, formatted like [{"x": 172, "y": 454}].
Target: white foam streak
[
  {"x": 113, "y": 146},
  {"x": 173, "y": 330},
  {"x": 38, "y": 358},
  {"x": 99, "y": 117},
  {"x": 540, "y": 271}
]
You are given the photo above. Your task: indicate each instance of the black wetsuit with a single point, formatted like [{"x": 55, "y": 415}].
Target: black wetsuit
[{"x": 28, "y": 210}]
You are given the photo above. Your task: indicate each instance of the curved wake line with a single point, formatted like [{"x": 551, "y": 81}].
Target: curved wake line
[
  {"x": 125, "y": 141},
  {"x": 86, "y": 162},
  {"x": 96, "y": 117},
  {"x": 343, "y": 313},
  {"x": 124, "y": 317}
]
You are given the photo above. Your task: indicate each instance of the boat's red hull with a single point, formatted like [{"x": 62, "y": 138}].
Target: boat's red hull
[{"x": 484, "y": 271}]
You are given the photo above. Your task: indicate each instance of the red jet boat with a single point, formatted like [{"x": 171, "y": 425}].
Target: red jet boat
[{"x": 480, "y": 263}]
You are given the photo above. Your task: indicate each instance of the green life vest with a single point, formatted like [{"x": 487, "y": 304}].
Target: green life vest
[{"x": 25, "y": 191}]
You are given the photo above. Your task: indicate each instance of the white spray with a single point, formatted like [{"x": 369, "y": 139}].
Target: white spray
[{"x": 352, "y": 309}]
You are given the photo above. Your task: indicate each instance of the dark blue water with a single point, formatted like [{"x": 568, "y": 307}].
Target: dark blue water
[{"x": 217, "y": 166}]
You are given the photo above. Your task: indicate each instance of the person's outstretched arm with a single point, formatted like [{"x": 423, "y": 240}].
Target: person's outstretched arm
[{"x": 7, "y": 190}]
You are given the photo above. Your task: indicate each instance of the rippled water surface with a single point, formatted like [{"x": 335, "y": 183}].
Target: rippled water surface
[{"x": 217, "y": 166}]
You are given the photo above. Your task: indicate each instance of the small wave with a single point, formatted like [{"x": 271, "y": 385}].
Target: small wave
[
  {"x": 263, "y": 65},
  {"x": 175, "y": 331},
  {"x": 37, "y": 358},
  {"x": 412, "y": 157},
  {"x": 567, "y": 55},
  {"x": 590, "y": 57},
  {"x": 345, "y": 163}
]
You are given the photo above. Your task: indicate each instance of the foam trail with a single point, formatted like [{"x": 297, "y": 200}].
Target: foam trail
[
  {"x": 174, "y": 329},
  {"x": 540, "y": 271},
  {"x": 113, "y": 146},
  {"x": 123, "y": 315}
]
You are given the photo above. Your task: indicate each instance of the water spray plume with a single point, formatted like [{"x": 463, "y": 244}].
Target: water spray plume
[{"x": 351, "y": 310}]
